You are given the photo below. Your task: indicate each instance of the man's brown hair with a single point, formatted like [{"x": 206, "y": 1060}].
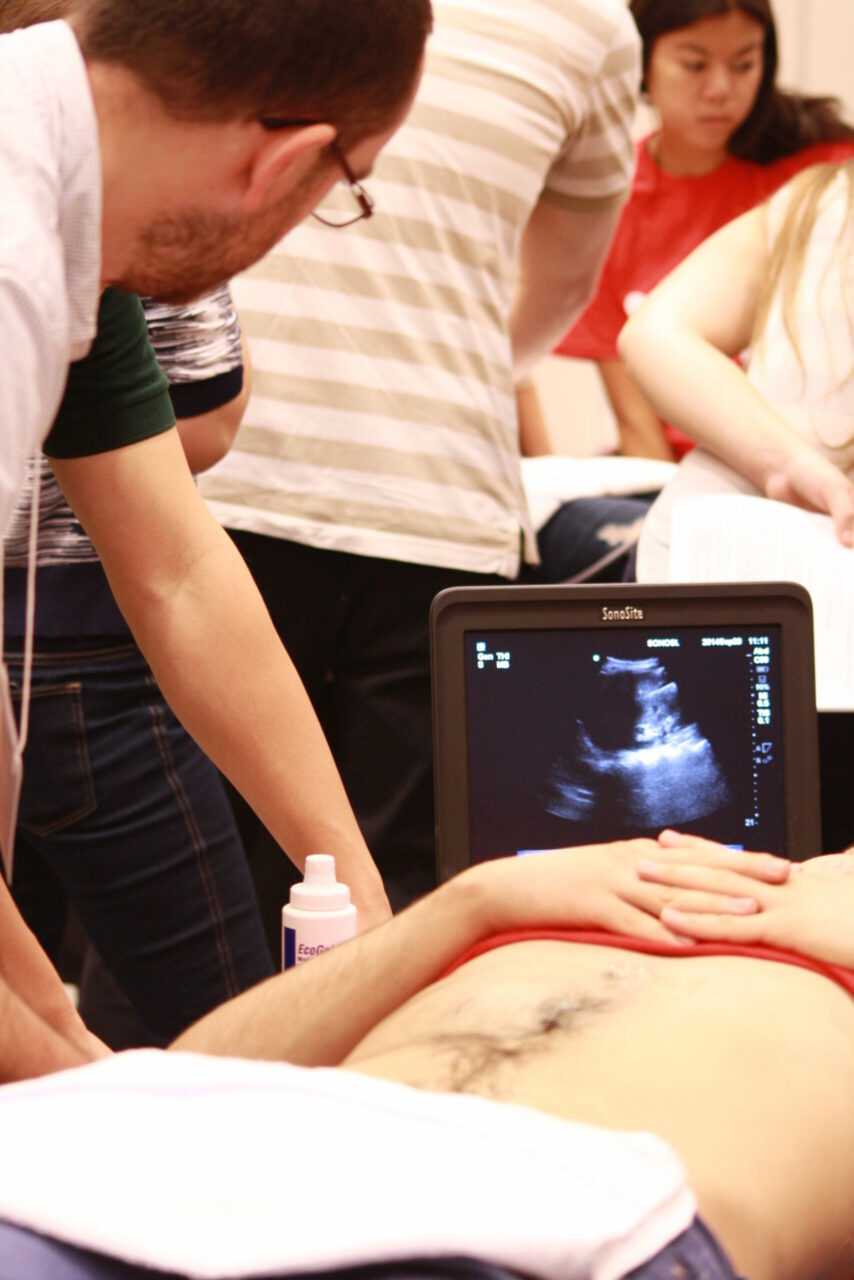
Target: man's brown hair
[
  {"x": 22, "y": 13},
  {"x": 353, "y": 63}
]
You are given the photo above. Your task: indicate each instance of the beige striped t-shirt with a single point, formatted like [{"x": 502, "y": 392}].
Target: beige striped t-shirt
[{"x": 382, "y": 419}]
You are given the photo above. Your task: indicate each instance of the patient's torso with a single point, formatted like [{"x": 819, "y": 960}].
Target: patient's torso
[{"x": 746, "y": 1067}]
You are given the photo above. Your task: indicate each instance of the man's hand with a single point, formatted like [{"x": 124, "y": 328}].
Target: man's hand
[{"x": 805, "y": 907}]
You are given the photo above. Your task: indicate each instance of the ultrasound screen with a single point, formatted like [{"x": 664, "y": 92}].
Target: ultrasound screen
[{"x": 586, "y": 735}]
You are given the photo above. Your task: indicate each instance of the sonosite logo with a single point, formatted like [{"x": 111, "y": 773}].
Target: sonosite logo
[{"x": 628, "y": 613}]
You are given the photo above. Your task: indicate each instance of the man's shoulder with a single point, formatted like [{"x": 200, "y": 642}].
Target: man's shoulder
[
  {"x": 36, "y": 62},
  {"x": 605, "y": 23},
  {"x": 34, "y": 81},
  {"x": 50, "y": 177}
]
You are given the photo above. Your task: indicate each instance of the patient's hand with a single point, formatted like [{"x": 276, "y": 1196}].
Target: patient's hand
[
  {"x": 810, "y": 911},
  {"x": 600, "y": 886},
  {"x": 678, "y": 850}
]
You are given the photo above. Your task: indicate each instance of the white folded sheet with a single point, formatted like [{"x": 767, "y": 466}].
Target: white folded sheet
[
  {"x": 221, "y": 1167},
  {"x": 552, "y": 479}
]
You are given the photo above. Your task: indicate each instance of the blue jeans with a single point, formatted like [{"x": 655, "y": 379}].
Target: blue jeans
[
  {"x": 29, "y": 1256},
  {"x": 584, "y": 537},
  {"x": 695, "y": 1255},
  {"x": 123, "y": 815}
]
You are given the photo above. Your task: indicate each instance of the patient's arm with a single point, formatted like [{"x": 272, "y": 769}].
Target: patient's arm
[
  {"x": 811, "y": 912},
  {"x": 316, "y": 1013},
  {"x": 678, "y": 348}
]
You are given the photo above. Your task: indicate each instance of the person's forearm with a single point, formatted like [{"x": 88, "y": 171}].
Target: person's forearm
[
  {"x": 315, "y": 1014},
  {"x": 700, "y": 389},
  {"x": 678, "y": 348},
  {"x": 640, "y": 430},
  {"x": 222, "y": 668},
  {"x": 560, "y": 256},
  {"x": 318, "y": 1012},
  {"x": 199, "y": 619}
]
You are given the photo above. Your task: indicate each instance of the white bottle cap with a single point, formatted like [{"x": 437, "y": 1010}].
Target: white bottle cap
[{"x": 319, "y": 890}]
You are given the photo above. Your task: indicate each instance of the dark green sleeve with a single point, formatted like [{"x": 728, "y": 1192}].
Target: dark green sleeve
[{"x": 117, "y": 394}]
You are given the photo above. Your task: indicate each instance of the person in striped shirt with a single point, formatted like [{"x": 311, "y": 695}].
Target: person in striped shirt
[{"x": 379, "y": 459}]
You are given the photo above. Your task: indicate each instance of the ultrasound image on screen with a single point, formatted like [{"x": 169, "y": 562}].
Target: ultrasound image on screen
[{"x": 580, "y": 736}]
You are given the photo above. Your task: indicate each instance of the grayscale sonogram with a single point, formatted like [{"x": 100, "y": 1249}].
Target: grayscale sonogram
[{"x": 640, "y": 760}]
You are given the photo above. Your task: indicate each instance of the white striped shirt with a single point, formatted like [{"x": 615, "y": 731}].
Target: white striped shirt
[{"x": 383, "y": 417}]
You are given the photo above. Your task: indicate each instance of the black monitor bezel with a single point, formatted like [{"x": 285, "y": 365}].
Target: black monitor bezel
[{"x": 459, "y": 610}]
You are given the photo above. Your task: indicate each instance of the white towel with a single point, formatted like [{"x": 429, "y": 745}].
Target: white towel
[{"x": 221, "y": 1167}]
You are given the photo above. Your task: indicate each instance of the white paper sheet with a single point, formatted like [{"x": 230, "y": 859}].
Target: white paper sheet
[{"x": 736, "y": 538}]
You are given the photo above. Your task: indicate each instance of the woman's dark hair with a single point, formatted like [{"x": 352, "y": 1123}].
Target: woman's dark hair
[
  {"x": 781, "y": 122},
  {"x": 353, "y": 63}
]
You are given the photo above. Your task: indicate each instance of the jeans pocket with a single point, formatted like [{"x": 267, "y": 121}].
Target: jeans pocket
[{"x": 58, "y": 784}]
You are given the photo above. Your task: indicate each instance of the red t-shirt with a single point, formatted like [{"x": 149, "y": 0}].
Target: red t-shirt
[{"x": 667, "y": 216}]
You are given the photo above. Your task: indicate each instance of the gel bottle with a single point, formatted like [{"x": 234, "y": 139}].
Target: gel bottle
[{"x": 319, "y": 914}]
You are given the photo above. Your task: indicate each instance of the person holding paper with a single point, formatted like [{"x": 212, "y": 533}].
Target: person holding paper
[
  {"x": 777, "y": 280},
  {"x": 378, "y": 461},
  {"x": 774, "y": 281}
]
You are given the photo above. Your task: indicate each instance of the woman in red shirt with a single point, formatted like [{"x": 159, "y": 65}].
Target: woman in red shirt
[{"x": 728, "y": 138}]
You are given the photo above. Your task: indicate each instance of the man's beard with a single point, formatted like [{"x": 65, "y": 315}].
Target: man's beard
[{"x": 180, "y": 256}]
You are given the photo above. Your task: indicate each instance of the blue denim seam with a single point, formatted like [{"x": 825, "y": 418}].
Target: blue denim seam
[{"x": 197, "y": 841}]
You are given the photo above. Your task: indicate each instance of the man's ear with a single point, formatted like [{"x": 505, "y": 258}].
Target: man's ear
[{"x": 276, "y": 151}]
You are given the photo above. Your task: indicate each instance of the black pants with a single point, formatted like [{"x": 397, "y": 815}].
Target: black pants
[
  {"x": 357, "y": 630},
  {"x": 836, "y": 756}
]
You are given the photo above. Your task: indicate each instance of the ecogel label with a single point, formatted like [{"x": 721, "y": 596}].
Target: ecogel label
[{"x": 296, "y": 948}]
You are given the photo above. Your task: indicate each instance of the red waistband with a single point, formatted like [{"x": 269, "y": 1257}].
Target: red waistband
[{"x": 598, "y": 937}]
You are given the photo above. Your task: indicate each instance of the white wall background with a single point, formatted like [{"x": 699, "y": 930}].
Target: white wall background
[{"x": 816, "y": 41}]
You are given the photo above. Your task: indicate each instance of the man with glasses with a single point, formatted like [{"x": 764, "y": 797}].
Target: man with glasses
[
  {"x": 133, "y": 153},
  {"x": 379, "y": 459},
  {"x": 169, "y": 181}
]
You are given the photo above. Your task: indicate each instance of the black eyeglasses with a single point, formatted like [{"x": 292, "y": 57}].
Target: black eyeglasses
[{"x": 357, "y": 191}]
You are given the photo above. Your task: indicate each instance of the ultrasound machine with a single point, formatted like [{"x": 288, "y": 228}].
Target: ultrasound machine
[{"x": 570, "y": 715}]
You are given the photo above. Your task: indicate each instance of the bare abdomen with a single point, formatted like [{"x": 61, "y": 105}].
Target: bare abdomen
[{"x": 745, "y": 1067}]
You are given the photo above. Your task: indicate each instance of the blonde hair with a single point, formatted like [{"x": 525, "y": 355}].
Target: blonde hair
[{"x": 789, "y": 250}]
